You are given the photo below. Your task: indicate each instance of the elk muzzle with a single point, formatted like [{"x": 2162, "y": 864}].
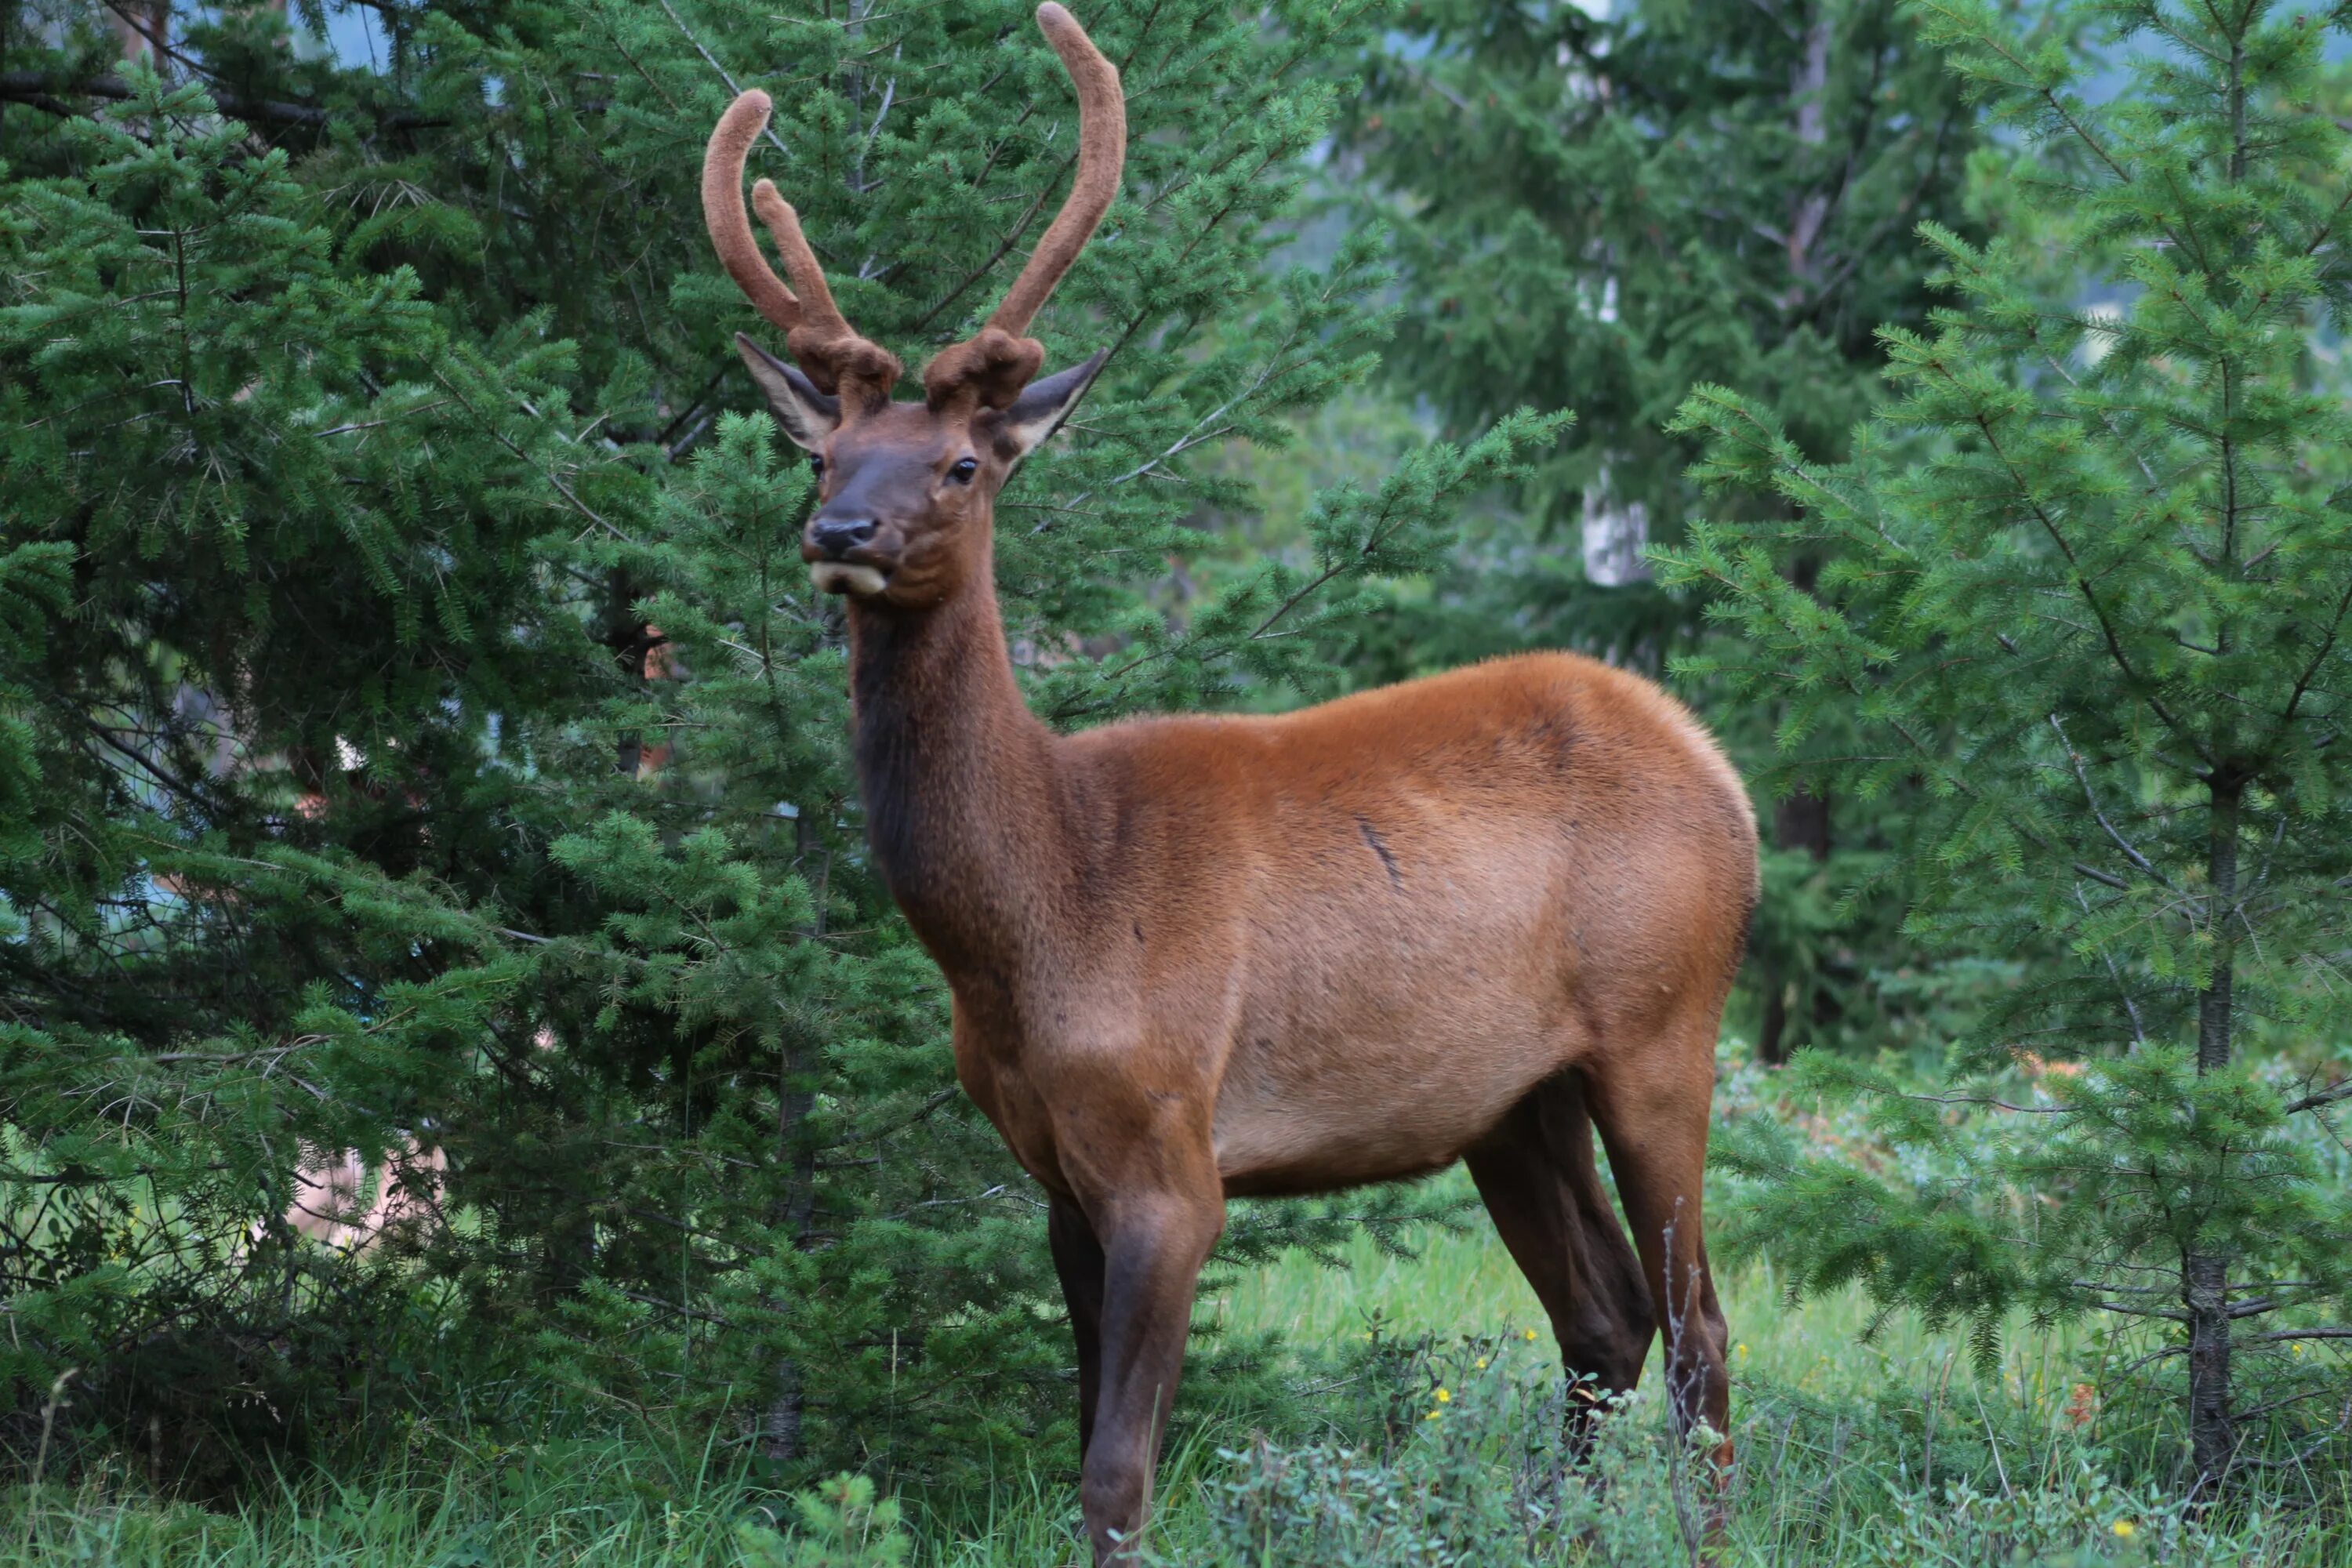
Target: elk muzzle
[{"x": 843, "y": 557}]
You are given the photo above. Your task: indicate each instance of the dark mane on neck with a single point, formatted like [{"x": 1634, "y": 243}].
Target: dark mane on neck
[
  {"x": 954, "y": 772},
  {"x": 890, "y": 696}
]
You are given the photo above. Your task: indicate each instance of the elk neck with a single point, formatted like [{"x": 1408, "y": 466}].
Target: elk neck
[{"x": 962, "y": 791}]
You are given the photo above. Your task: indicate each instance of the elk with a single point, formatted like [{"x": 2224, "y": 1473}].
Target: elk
[{"x": 1471, "y": 916}]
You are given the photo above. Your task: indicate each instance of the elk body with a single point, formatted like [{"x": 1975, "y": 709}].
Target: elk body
[{"x": 1472, "y": 917}]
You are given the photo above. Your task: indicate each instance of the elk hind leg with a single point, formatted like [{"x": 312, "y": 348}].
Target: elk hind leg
[
  {"x": 1079, "y": 1261},
  {"x": 1651, "y": 1106},
  {"x": 1535, "y": 1173}
]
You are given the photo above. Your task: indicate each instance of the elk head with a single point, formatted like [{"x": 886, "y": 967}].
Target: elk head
[{"x": 906, "y": 491}]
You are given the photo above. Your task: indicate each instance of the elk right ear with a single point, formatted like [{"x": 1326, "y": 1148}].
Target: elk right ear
[
  {"x": 1042, "y": 404},
  {"x": 807, "y": 415}
]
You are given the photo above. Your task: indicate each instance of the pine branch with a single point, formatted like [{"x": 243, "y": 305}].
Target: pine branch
[
  {"x": 2090, "y": 798},
  {"x": 43, "y": 90},
  {"x": 2324, "y": 1097}
]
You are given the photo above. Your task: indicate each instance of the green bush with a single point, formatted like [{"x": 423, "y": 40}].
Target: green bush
[{"x": 841, "y": 1526}]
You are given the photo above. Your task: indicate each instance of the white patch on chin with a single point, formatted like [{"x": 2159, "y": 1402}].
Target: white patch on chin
[{"x": 841, "y": 577}]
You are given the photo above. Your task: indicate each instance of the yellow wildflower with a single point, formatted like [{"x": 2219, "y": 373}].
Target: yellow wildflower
[
  {"x": 1433, "y": 1416},
  {"x": 1445, "y": 1397},
  {"x": 2126, "y": 1529},
  {"x": 1481, "y": 1363},
  {"x": 1740, "y": 1350},
  {"x": 1530, "y": 1333}
]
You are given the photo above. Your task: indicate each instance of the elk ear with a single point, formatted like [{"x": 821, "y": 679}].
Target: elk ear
[
  {"x": 1042, "y": 406},
  {"x": 807, "y": 415}
]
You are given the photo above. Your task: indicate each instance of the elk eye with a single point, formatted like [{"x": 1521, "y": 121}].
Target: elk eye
[
  {"x": 963, "y": 472},
  {"x": 816, "y": 463}
]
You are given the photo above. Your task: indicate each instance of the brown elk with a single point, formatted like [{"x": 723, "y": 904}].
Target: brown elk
[{"x": 1471, "y": 917}]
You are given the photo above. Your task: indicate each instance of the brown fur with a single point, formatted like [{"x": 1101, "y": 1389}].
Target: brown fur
[
  {"x": 988, "y": 370},
  {"x": 1474, "y": 917}
]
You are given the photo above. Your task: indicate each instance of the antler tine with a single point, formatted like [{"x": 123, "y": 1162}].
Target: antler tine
[
  {"x": 1102, "y": 154},
  {"x": 722, "y": 211},
  {"x": 828, "y": 349},
  {"x": 993, "y": 364},
  {"x": 820, "y": 316}
]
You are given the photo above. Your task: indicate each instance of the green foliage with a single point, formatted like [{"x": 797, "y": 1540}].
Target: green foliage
[
  {"x": 418, "y": 738},
  {"x": 2084, "y": 594},
  {"x": 1467, "y": 1470},
  {"x": 1482, "y": 1480},
  {"x": 227, "y": 949}
]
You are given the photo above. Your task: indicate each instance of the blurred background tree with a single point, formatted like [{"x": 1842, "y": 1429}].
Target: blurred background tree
[{"x": 1602, "y": 211}]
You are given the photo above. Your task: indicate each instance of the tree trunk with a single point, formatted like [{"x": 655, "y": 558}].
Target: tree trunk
[
  {"x": 779, "y": 1435},
  {"x": 141, "y": 29},
  {"x": 1800, "y": 821},
  {"x": 2205, "y": 1274},
  {"x": 624, "y": 633},
  {"x": 1811, "y": 210},
  {"x": 1616, "y": 532}
]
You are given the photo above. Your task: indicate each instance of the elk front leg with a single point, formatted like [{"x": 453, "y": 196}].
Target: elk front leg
[{"x": 1154, "y": 1243}]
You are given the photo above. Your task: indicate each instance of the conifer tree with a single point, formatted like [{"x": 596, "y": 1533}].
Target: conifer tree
[
  {"x": 1606, "y": 211},
  {"x": 2089, "y": 580},
  {"x": 418, "y": 736}
]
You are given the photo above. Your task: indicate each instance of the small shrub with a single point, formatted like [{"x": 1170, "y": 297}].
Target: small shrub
[{"x": 842, "y": 1527}]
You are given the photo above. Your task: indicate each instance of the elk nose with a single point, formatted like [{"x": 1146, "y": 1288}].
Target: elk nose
[{"x": 837, "y": 536}]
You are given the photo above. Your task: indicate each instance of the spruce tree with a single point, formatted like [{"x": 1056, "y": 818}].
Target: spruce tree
[
  {"x": 1605, "y": 212},
  {"x": 421, "y": 738},
  {"x": 2086, "y": 583}
]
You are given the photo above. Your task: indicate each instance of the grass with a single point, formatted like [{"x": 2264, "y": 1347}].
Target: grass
[
  {"x": 1466, "y": 1283},
  {"x": 1833, "y": 1424}
]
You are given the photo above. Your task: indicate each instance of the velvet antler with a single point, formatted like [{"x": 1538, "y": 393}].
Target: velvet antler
[
  {"x": 836, "y": 358},
  {"x": 994, "y": 366}
]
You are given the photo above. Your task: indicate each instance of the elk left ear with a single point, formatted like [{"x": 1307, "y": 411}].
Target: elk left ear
[
  {"x": 807, "y": 416},
  {"x": 1042, "y": 406}
]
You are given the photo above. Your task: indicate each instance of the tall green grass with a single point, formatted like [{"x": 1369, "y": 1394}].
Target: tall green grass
[
  {"x": 437, "y": 1502},
  {"x": 1465, "y": 1283}
]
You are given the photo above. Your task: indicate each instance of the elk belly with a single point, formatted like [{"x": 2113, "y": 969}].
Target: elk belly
[
  {"x": 1406, "y": 983},
  {"x": 1390, "y": 1113}
]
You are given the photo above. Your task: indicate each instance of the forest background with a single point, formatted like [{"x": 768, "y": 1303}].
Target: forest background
[{"x": 462, "y": 1095}]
